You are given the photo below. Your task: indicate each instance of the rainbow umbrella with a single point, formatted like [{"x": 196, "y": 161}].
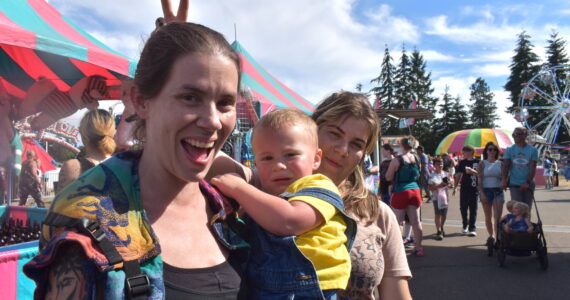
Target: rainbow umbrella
[{"x": 476, "y": 138}]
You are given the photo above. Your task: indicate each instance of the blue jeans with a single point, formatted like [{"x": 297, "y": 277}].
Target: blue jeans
[{"x": 494, "y": 193}]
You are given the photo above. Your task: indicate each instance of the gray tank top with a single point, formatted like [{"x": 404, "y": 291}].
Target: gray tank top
[{"x": 492, "y": 174}]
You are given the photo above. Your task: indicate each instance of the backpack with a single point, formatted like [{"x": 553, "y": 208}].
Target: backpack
[{"x": 401, "y": 160}]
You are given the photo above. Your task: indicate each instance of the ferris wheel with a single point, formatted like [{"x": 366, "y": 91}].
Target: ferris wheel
[{"x": 547, "y": 92}]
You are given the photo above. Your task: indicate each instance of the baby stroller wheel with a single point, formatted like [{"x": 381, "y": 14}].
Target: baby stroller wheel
[{"x": 542, "y": 254}]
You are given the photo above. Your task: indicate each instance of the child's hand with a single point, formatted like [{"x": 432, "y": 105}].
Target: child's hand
[{"x": 228, "y": 184}]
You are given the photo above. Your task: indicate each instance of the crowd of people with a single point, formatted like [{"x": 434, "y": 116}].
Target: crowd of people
[{"x": 479, "y": 180}]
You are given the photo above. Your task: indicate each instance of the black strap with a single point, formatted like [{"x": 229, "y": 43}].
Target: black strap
[
  {"x": 137, "y": 284},
  {"x": 89, "y": 228}
]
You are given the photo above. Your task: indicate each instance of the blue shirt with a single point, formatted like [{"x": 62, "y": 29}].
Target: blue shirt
[{"x": 520, "y": 158}]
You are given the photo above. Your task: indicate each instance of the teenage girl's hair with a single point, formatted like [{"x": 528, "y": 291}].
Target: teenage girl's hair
[
  {"x": 97, "y": 128},
  {"x": 165, "y": 46},
  {"x": 337, "y": 107},
  {"x": 288, "y": 117},
  {"x": 407, "y": 142},
  {"x": 491, "y": 144}
]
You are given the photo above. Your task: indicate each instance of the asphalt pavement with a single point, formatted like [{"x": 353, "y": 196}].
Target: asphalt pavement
[{"x": 459, "y": 267}]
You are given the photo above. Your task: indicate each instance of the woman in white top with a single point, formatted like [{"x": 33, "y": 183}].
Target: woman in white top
[{"x": 492, "y": 197}]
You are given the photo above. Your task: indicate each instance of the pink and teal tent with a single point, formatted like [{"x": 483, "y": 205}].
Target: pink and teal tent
[
  {"x": 37, "y": 41},
  {"x": 477, "y": 138},
  {"x": 268, "y": 90}
]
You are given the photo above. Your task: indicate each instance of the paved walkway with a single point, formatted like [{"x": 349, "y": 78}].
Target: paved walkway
[{"x": 458, "y": 267}]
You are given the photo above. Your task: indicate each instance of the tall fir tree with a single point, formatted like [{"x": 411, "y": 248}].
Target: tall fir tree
[
  {"x": 403, "y": 81},
  {"x": 384, "y": 89},
  {"x": 556, "y": 51},
  {"x": 443, "y": 123},
  {"x": 523, "y": 67},
  {"x": 458, "y": 118},
  {"x": 482, "y": 108},
  {"x": 421, "y": 87}
]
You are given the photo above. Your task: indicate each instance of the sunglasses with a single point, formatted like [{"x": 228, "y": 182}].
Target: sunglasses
[
  {"x": 515, "y": 134},
  {"x": 492, "y": 149}
]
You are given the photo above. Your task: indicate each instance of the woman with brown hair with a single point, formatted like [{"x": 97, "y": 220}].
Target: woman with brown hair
[
  {"x": 144, "y": 224},
  {"x": 30, "y": 181},
  {"x": 97, "y": 129},
  {"x": 348, "y": 129},
  {"x": 491, "y": 194},
  {"x": 407, "y": 198}
]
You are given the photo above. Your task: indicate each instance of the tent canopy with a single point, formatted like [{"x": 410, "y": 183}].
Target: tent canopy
[
  {"x": 267, "y": 89},
  {"x": 37, "y": 41}
]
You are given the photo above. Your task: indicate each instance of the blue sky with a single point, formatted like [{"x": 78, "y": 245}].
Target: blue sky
[{"x": 320, "y": 46}]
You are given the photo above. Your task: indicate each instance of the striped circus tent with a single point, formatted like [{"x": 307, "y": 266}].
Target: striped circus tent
[
  {"x": 37, "y": 41},
  {"x": 477, "y": 138},
  {"x": 266, "y": 89}
]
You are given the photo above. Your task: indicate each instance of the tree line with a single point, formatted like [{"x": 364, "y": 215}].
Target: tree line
[{"x": 398, "y": 86}]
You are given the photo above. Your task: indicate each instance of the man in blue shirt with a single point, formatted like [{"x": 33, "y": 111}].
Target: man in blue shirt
[{"x": 519, "y": 168}]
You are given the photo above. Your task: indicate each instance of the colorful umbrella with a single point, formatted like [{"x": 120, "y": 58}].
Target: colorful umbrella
[
  {"x": 266, "y": 88},
  {"x": 476, "y": 138}
]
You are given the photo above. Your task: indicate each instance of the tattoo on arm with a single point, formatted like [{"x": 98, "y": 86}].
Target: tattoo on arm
[{"x": 71, "y": 275}]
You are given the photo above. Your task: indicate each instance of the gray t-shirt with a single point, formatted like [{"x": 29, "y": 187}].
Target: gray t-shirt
[{"x": 492, "y": 174}]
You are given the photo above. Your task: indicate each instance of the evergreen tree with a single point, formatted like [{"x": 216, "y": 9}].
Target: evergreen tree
[
  {"x": 422, "y": 89},
  {"x": 483, "y": 108},
  {"x": 403, "y": 82},
  {"x": 523, "y": 67},
  {"x": 384, "y": 89},
  {"x": 443, "y": 124},
  {"x": 458, "y": 118},
  {"x": 385, "y": 82},
  {"x": 556, "y": 52}
]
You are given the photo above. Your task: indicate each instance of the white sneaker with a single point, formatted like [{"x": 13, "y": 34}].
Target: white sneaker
[
  {"x": 472, "y": 233},
  {"x": 465, "y": 231}
]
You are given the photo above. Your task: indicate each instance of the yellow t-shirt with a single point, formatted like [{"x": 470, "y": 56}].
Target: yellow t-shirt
[{"x": 325, "y": 245}]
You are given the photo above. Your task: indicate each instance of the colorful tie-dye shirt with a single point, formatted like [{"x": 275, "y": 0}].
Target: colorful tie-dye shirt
[{"x": 110, "y": 195}]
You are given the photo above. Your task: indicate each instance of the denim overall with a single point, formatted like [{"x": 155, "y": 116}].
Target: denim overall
[{"x": 277, "y": 269}]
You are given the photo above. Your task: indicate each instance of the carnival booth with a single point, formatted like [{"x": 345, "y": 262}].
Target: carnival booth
[{"x": 49, "y": 69}]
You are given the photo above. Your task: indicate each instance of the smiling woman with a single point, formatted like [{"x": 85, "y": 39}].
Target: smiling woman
[{"x": 109, "y": 221}]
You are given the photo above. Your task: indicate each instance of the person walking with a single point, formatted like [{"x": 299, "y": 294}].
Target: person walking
[
  {"x": 424, "y": 172},
  {"x": 406, "y": 198},
  {"x": 519, "y": 168},
  {"x": 548, "y": 170},
  {"x": 385, "y": 189},
  {"x": 466, "y": 174},
  {"x": 492, "y": 197},
  {"x": 30, "y": 180}
]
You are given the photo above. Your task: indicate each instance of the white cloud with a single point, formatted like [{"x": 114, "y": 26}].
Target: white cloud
[
  {"x": 483, "y": 33},
  {"x": 506, "y": 120},
  {"x": 315, "y": 47},
  {"x": 433, "y": 55},
  {"x": 492, "y": 70}
]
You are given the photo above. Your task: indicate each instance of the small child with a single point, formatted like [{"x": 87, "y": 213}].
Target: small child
[
  {"x": 300, "y": 247},
  {"x": 518, "y": 219},
  {"x": 439, "y": 182}
]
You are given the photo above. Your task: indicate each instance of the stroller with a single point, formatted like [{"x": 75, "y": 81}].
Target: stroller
[{"x": 522, "y": 243}]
